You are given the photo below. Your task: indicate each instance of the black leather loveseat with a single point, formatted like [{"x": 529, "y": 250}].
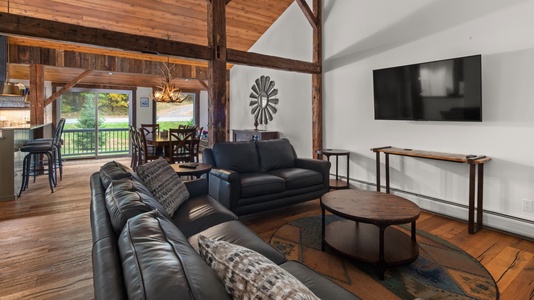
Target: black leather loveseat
[
  {"x": 154, "y": 255},
  {"x": 249, "y": 177}
]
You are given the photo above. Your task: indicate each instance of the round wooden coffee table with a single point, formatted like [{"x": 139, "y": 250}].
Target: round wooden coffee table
[{"x": 365, "y": 233}]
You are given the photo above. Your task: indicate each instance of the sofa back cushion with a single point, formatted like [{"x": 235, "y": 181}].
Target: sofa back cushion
[
  {"x": 112, "y": 171},
  {"x": 275, "y": 154},
  {"x": 240, "y": 157},
  {"x": 127, "y": 198},
  {"x": 159, "y": 262}
]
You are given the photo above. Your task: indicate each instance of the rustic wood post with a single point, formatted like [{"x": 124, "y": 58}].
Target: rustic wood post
[
  {"x": 315, "y": 19},
  {"x": 317, "y": 79},
  {"x": 218, "y": 101},
  {"x": 37, "y": 96}
]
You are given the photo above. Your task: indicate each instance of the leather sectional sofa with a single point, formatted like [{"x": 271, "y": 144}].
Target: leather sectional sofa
[
  {"x": 249, "y": 177},
  {"x": 161, "y": 259}
]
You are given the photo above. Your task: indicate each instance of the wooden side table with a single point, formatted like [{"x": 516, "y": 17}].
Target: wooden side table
[
  {"x": 336, "y": 183},
  {"x": 198, "y": 171}
]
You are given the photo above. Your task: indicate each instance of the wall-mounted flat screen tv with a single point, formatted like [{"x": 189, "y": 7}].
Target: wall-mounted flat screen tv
[{"x": 445, "y": 90}]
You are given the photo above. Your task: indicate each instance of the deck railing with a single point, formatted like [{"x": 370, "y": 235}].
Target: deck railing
[{"x": 82, "y": 142}]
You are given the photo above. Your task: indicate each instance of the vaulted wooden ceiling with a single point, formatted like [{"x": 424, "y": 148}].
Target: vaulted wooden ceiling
[{"x": 174, "y": 20}]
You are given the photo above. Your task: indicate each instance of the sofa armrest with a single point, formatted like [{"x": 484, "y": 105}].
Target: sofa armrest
[
  {"x": 321, "y": 166},
  {"x": 225, "y": 187},
  {"x": 197, "y": 187}
]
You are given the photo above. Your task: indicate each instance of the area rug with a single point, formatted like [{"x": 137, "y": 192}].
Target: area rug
[{"x": 442, "y": 270}]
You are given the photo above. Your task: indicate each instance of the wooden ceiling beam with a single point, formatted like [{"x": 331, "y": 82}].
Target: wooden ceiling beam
[
  {"x": 272, "y": 62},
  {"x": 308, "y": 13},
  {"x": 66, "y": 87},
  {"x": 43, "y": 29},
  {"x": 11, "y": 24},
  {"x": 72, "y": 59},
  {"x": 203, "y": 84}
]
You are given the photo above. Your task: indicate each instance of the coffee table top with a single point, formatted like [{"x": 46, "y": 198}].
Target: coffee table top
[{"x": 370, "y": 206}]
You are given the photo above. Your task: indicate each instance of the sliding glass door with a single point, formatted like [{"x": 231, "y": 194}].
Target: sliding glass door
[{"x": 96, "y": 122}]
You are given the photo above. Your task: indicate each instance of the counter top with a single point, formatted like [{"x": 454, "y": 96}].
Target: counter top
[{"x": 19, "y": 127}]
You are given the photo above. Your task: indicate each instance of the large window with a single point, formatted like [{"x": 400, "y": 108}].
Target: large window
[{"x": 170, "y": 115}]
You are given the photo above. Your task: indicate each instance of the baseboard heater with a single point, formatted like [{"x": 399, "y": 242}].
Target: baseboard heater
[{"x": 494, "y": 220}]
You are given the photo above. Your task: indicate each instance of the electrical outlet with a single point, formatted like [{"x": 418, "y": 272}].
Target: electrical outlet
[{"x": 527, "y": 205}]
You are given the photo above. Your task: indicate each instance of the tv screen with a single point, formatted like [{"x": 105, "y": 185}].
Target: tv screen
[{"x": 445, "y": 90}]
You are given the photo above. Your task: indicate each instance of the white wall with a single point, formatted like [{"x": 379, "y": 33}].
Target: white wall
[
  {"x": 144, "y": 114},
  {"x": 203, "y": 106},
  {"x": 362, "y": 35},
  {"x": 294, "y": 114}
]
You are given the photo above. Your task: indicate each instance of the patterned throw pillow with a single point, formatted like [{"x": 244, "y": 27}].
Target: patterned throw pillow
[
  {"x": 164, "y": 184},
  {"x": 247, "y": 274}
]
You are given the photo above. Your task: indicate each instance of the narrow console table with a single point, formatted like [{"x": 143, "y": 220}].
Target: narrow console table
[
  {"x": 472, "y": 160},
  {"x": 245, "y": 135}
]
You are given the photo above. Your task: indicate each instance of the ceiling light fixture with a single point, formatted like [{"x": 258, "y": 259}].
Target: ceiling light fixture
[{"x": 167, "y": 91}]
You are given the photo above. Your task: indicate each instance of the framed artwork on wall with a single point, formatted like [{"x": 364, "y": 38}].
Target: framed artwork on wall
[{"x": 144, "y": 102}]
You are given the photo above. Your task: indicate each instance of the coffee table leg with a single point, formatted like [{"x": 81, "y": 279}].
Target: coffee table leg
[
  {"x": 382, "y": 261},
  {"x": 323, "y": 227},
  {"x": 413, "y": 232}
]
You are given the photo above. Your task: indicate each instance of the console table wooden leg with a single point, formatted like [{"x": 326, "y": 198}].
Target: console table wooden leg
[
  {"x": 480, "y": 195},
  {"x": 387, "y": 173},
  {"x": 348, "y": 162},
  {"x": 378, "y": 171},
  {"x": 471, "y": 216}
]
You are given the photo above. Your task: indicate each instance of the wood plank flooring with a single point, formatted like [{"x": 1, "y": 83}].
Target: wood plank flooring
[{"x": 45, "y": 241}]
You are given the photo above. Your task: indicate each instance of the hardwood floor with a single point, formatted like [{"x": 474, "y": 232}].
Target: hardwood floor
[{"x": 45, "y": 241}]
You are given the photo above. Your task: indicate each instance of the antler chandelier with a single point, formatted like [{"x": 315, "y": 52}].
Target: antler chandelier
[{"x": 167, "y": 91}]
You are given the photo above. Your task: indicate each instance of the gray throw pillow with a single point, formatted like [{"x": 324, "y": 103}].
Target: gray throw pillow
[
  {"x": 246, "y": 274},
  {"x": 164, "y": 184}
]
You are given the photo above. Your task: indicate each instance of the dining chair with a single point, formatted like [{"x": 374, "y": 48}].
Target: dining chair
[
  {"x": 145, "y": 152},
  {"x": 196, "y": 143},
  {"x": 135, "y": 147},
  {"x": 181, "y": 144},
  {"x": 151, "y": 131}
]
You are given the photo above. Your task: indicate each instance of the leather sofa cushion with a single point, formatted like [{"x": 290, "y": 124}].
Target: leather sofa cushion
[
  {"x": 112, "y": 171},
  {"x": 256, "y": 184},
  {"x": 298, "y": 178},
  {"x": 275, "y": 154},
  {"x": 199, "y": 213},
  {"x": 159, "y": 263},
  {"x": 237, "y": 233},
  {"x": 127, "y": 198},
  {"x": 241, "y": 157}
]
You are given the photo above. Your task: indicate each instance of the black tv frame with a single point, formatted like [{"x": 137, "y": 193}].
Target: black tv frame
[{"x": 399, "y": 93}]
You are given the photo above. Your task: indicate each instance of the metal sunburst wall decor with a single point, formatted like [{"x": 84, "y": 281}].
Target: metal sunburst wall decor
[{"x": 263, "y": 100}]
